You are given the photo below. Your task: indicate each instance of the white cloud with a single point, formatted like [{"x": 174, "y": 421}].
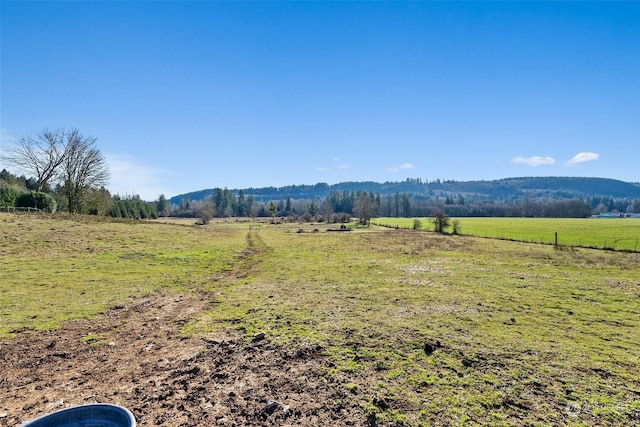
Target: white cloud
[
  {"x": 534, "y": 161},
  {"x": 402, "y": 167},
  {"x": 129, "y": 176},
  {"x": 583, "y": 157},
  {"x": 338, "y": 167}
]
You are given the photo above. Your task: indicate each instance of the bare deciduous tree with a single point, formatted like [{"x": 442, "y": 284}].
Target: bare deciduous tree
[
  {"x": 84, "y": 167},
  {"x": 40, "y": 156},
  {"x": 364, "y": 209}
]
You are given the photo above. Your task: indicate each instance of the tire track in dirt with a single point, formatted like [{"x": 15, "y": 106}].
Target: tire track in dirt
[{"x": 135, "y": 356}]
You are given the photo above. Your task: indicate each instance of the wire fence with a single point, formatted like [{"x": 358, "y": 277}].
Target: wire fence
[
  {"x": 16, "y": 209},
  {"x": 609, "y": 244},
  {"x": 631, "y": 244}
]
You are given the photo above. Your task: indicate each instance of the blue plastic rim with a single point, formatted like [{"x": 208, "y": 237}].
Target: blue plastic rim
[{"x": 94, "y": 415}]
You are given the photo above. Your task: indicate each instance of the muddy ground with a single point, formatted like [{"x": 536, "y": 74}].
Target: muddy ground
[{"x": 134, "y": 356}]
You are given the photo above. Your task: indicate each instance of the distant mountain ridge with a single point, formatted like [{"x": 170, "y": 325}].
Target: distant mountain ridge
[{"x": 502, "y": 189}]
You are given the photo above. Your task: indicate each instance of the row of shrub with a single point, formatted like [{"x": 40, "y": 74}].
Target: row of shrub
[
  {"x": 132, "y": 208},
  {"x": 117, "y": 208},
  {"x": 9, "y": 197}
]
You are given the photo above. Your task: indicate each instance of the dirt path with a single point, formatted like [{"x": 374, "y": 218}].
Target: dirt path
[{"x": 136, "y": 358}]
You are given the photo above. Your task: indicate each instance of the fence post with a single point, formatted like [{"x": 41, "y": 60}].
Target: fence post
[{"x": 556, "y": 239}]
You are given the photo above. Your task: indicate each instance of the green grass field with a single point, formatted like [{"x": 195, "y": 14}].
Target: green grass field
[
  {"x": 611, "y": 233},
  {"x": 55, "y": 269},
  {"x": 421, "y": 329}
]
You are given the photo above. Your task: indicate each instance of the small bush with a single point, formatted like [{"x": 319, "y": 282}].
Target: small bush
[
  {"x": 441, "y": 222},
  {"x": 206, "y": 218},
  {"x": 34, "y": 199},
  {"x": 455, "y": 224},
  {"x": 7, "y": 196}
]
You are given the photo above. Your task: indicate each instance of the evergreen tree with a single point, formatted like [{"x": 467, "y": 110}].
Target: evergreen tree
[
  {"x": 288, "y": 210},
  {"x": 312, "y": 208},
  {"x": 251, "y": 204},
  {"x": 185, "y": 203},
  {"x": 8, "y": 196},
  {"x": 406, "y": 206},
  {"x": 273, "y": 210},
  {"x": 396, "y": 205},
  {"x": 162, "y": 206},
  {"x": 241, "y": 210}
]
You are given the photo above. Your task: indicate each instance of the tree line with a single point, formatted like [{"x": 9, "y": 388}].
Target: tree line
[
  {"x": 338, "y": 205},
  {"x": 503, "y": 190}
]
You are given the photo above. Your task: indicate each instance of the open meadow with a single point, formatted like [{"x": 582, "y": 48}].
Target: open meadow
[
  {"x": 289, "y": 324},
  {"x": 622, "y": 234}
]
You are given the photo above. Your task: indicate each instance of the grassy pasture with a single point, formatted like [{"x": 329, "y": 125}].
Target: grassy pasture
[
  {"x": 525, "y": 331},
  {"x": 54, "y": 268},
  {"x": 421, "y": 329},
  {"x": 610, "y": 233}
]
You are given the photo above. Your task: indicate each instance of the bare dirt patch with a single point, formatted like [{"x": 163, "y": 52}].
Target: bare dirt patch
[{"x": 135, "y": 356}]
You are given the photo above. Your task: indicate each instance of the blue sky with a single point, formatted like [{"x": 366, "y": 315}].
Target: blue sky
[{"x": 183, "y": 96}]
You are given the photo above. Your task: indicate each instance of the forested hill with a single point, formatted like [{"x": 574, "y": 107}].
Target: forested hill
[{"x": 507, "y": 189}]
